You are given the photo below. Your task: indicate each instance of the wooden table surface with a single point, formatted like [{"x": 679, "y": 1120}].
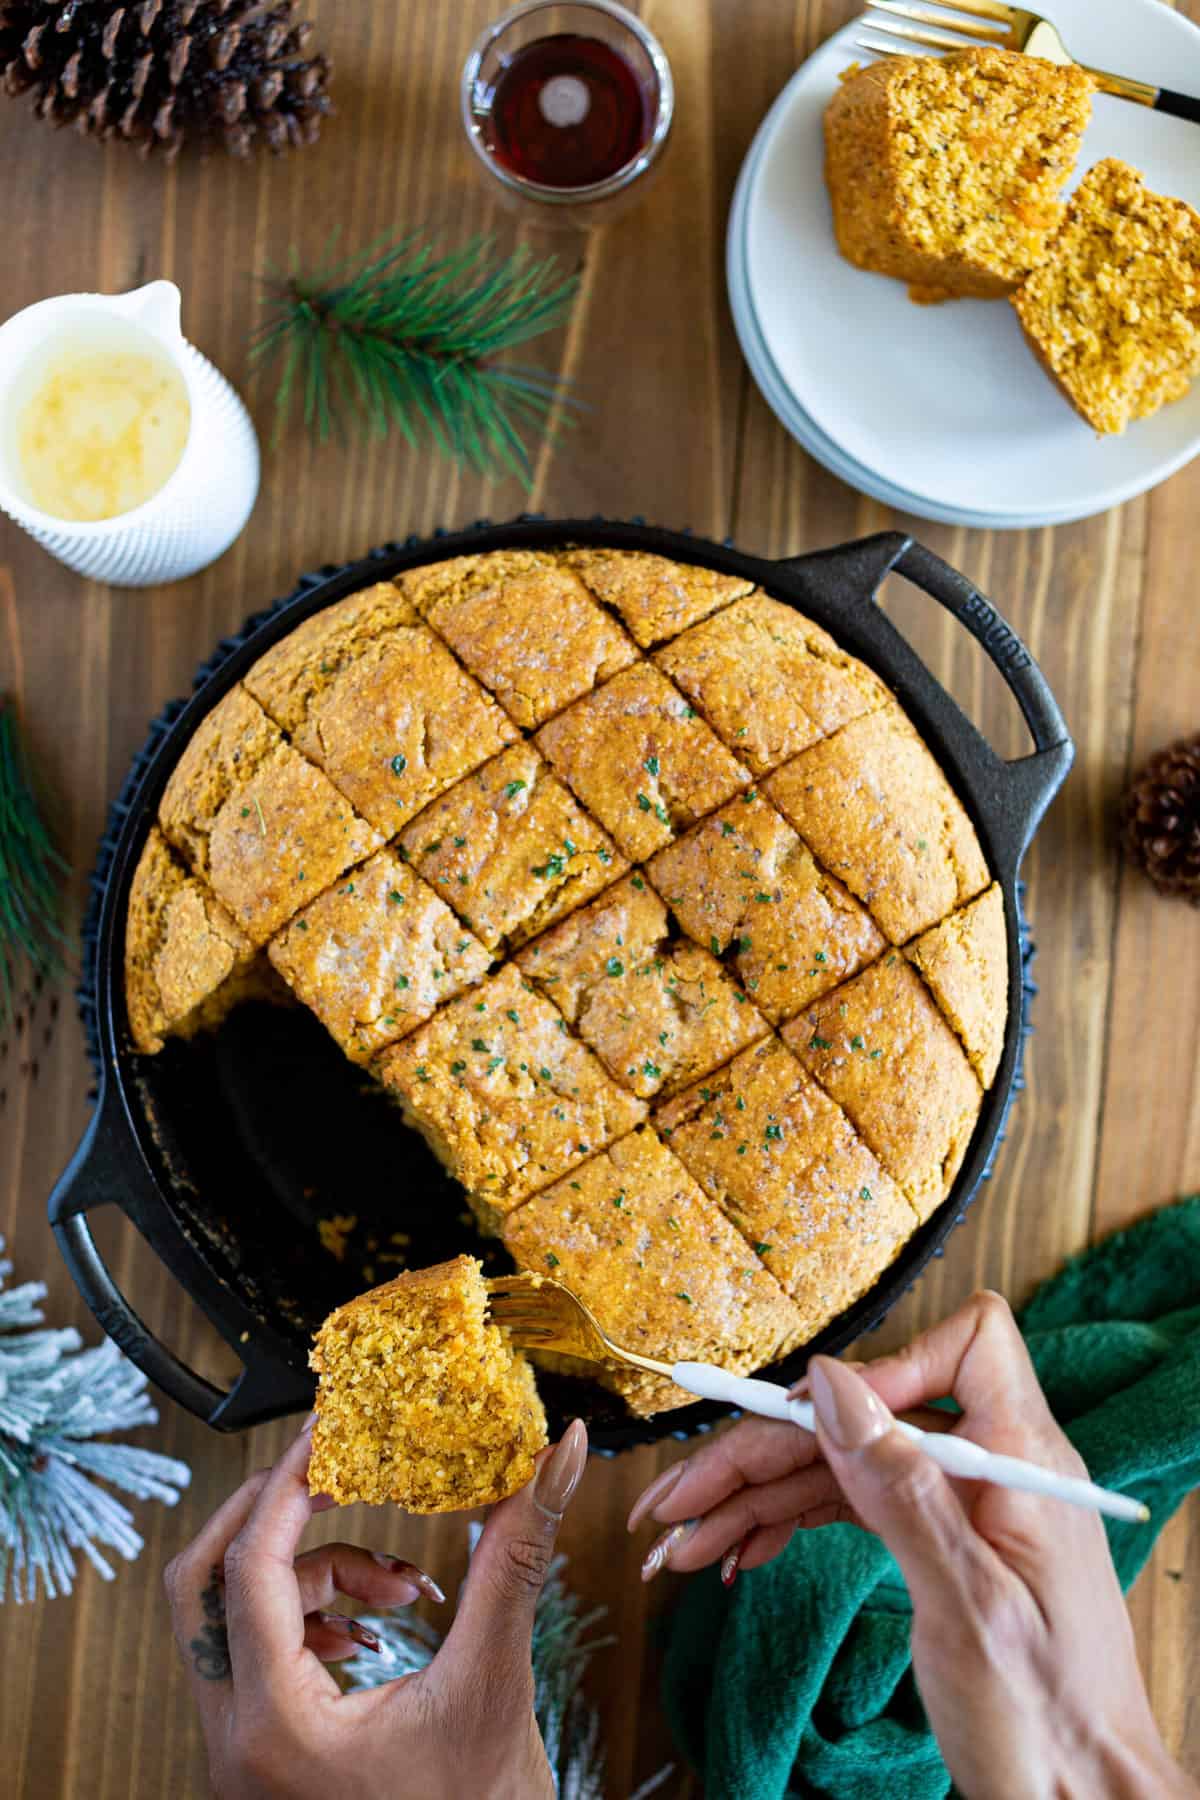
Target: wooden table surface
[{"x": 92, "y": 1704}]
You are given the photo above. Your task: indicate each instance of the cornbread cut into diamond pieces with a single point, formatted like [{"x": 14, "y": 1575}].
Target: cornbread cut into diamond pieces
[
  {"x": 965, "y": 963},
  {"x": 768, "y": 680},
  {"x": 183, "y": 951},
  {"x": 655, "y": 597},
  {"x": 510, "y": 849},
  {"x": 946, "y": 172},
  {"x": 743, "y": 883},
  {"x": 502, "y": 1093},
  {"x": 658, "y": 1263},
  {"x": 375, "y": 954},
  {"x": 881, "y": 1049},
  {"x": 256, "y": 820},
  {"x": 788, "y": 1169},
  {"x": 421, "y": 1399},
  {"x": 285, "y": 680},
  {"x": 658, "y": 1013},
  {"x": 877, "y": 812},
  {"x": 1113, "y": 313},
  {"x": 525, "y": 625},
  {"x": 640, "y": 758},
  {"x": 392, "y": 720}
]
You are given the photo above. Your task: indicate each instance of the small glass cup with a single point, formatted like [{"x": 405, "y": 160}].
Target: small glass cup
[{"x": 530, "y": 23}]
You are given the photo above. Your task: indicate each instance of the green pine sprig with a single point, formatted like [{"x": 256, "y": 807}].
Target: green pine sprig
[
  {"x": 411, "y": 340},
  {"x": 31, "y": 933}
]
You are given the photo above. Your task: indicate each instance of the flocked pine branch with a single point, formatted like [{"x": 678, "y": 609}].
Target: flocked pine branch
[
  {"x": 562, "y": 1649},
  {"x": 59, "y": 1404},
  {"x": 411, "y": 340},
  {"x": 31, "y": 934}
]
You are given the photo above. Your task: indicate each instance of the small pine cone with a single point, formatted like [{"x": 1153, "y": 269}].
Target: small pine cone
[
  {"x": 161, "y": 73},
  {"x": 1161, "y": 819}
]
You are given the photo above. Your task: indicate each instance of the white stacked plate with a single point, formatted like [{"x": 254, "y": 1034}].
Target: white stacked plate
[{"x": 942, "y": 411}]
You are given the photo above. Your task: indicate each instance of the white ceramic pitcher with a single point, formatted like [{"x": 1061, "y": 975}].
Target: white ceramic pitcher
[{"x": 201, "y": 508}]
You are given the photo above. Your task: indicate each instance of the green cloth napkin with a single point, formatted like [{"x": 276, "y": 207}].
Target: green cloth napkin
[{"x": 798, "y": 1680}]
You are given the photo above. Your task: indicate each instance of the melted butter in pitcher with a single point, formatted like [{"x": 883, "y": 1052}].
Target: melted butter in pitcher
[{"x": 102, "y": 432}]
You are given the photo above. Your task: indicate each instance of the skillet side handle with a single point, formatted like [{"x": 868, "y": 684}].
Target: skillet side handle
[{"x": 99, "y": 1174}]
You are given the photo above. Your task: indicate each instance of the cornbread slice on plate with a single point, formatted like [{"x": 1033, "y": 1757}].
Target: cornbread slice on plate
[
  {"x": 510, "y": 849},
  {"x": 285, "y": 680},
  {"x": 1113, "y": 313},
  {"x": 640, "y": 758},
  {"x": 965, "y": 963},
  {"x": 875, "y": 809},
  {"x": 503, "y": 1094},
  {"x": 945, "y": 172},
  {"x": 658, "y": 1012},
  {"x": 881, "y": 1049},
  {"x": 393, "y": 721},
  {"x": 183, "y": 951},
  {"x": 660, "y": 1266},
  {"x": 655, "y": 596},
  {"x": 421, "y": 1400},
  {"x": 743, "y": 883},
  {"x": 788, "y": 1169},
  {"x": 375, "y": 954},
  {"x": 525, "y": 625},
  {"x": 768, "y": 680},
  {"x": 256, "y": 820}
]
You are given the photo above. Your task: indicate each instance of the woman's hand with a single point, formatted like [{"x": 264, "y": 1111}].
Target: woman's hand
[
  {"x": 251, "y": 1623},
  {"x": 1022, "y": 1645}
]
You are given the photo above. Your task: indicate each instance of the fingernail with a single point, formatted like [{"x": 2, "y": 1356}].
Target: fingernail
[
  {"x": 801, "y": 1389},
  {"x": 560, "y": 1474},
  {"x": 423, "y": 1583},
  {"x": 657, "y": 1492},
  {"x": 322, "y": 1502},
  {"x": 852, "y": 1414},
  {"x": 732, "y": 1562},
  {"x": 358, "y": 1634},
  {"x": 308, "y": 1424},
  {"x": 659, "y": 1555}
]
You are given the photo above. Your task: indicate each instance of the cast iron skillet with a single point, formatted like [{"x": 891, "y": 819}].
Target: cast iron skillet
[{"x": 228, "y": 1151}]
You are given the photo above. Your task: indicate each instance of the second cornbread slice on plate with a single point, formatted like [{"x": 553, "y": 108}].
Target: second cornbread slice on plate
[
  {"x": 881, "y": 1049},
  {"x": 787, "y": 1168},
  {"x": 659, "y": 1265},
  {"x": 503, "y": 1094},
  {"x": 421, "y": 1400}
]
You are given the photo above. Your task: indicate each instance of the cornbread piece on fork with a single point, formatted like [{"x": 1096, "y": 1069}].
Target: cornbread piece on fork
[{"x": 421, "y": 1400}]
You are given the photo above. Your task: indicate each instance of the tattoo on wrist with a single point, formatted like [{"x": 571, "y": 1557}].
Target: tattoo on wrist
[{"x": 210, "y": 1651}]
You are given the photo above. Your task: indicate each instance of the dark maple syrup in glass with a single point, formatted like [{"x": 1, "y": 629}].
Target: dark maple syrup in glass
[{"x": 567, "y": 111}]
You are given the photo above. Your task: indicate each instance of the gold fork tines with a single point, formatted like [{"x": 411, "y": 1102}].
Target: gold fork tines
[
  {"x": 541, "y": 1314},
  {"x": 964, "y": 28}
]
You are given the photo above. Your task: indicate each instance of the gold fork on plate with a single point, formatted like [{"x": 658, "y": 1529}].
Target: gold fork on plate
[
  {"x": 539, "y": 1313},
  {"x": 1008, "y": 28}
]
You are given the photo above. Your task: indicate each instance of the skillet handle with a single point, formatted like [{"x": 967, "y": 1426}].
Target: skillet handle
[
  {"x": 1012, "y": 796},
  {"x": 107, "y": 1169}
]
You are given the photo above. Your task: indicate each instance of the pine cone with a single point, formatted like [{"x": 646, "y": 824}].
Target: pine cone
[
  {"x": 1161, "y": 819},
  {"x": 228, "y": 73}
]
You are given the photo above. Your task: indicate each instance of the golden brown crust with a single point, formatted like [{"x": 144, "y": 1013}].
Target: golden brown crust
[
  {"x": 638, "y": 756},
  {"x": 181, "y": 946},
  {"x": 510, "y": 850},
  {"x": 302, "y": 664},
  {"x": 964, "y": 961},
  {"x": 376, "y": 954},
  {"x": 744, "y": 884},
  {"x": 788, "y": 1169},
  {"x": 503, "y": 1094},
  {"x": 881, "y": 1049},
  {"x": 257, "y": 821},
  {"x": 525, "y": 625},
  {"x": 655, "y": 596},
  {"x": 944, "y": 172},
  {"x": 769, "y": 681},
  {"x": 877, "y": 812},
  {"x": 659, "y": 1013},
  {"x": 662, "y": 1269},
  {"x": 421, "y": 1400}
]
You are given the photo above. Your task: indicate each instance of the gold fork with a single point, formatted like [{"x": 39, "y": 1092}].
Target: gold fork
[
  {"x": 541, "y": 1314},
  {"x": 1010, "y": 28}
]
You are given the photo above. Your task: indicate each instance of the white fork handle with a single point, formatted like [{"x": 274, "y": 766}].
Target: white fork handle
[{"x": 956, "y": 1455}]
